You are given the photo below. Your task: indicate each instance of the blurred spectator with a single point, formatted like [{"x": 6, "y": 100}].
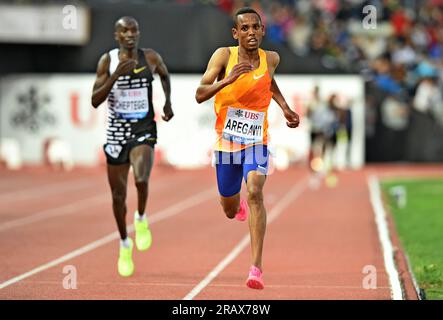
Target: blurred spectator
[
  {"x": 298, "y": 36},
  {"x": 428, "y": 97},
  {"x": 383, "y": 78},
  {"x": 324, "y": 123},
  {"x": 404, "y": 53},
  {"x": 401, "y": 21},
  {"x": 394, "y": 113}
]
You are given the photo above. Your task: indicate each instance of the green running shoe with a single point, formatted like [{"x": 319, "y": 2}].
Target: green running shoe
[
  {"x": 143, "y": 236},
  {"x": 125, "y": 264}
]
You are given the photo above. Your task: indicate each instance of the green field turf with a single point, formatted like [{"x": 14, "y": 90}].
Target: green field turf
[{"x": 420, "y": 229}]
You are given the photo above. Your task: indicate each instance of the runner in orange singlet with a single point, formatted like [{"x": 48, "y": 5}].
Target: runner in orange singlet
[{"x": 243, "y": 92}]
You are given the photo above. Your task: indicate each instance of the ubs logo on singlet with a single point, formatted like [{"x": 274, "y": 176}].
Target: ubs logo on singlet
[
  {"x": 246, "y": 114},
  {"x": 251, "y": 115},
  {"x": 130, "y": 93},
  {"x": 33, "y": 117}
]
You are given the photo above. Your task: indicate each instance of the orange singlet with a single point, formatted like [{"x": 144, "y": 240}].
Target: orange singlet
[{"x": 242, "y": 107}]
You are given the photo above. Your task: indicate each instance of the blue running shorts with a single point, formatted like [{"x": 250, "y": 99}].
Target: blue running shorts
[{"x": 231, "y": 167}]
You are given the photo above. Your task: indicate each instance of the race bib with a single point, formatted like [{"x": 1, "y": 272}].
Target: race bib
[
  {"x": 131, "y": 103},
  {"x": 113, "y": 150},
  {"x": 243, "y": 126}
]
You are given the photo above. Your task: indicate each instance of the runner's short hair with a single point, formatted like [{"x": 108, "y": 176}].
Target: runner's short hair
[
  {"x": 243, "y": 11},
  {"x": 126, "y": 19}
]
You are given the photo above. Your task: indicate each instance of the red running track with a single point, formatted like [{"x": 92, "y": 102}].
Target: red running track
[{"x": 318, "y": 240}]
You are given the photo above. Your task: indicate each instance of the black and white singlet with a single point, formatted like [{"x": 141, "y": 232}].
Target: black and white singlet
[{"x": 130, "y": 108}]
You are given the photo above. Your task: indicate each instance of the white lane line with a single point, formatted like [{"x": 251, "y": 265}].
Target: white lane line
[
  {"x": 162, "y": 215},
  {"x": 52, "y": 189},
  {"x": 73, "y": 207},
  {"x": 383, "y": 235},
  {"x": 414, "y": 279},
  {"x": 288, "y": 198}
]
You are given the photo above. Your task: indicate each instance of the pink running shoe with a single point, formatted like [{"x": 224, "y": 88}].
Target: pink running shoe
[
  {"x": 242, "y": 214},
  {"x": 255, "y": 280}
]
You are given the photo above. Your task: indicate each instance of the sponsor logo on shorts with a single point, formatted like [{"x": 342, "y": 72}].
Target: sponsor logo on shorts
[
  {"x": 143, "y": 138},
  {"x": 262, "y": 169}
]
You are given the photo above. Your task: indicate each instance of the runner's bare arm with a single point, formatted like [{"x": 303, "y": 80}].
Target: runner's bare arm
[
  {"x": 216, "y": 65},
  {"x": 160, "y": 68},
  {"x": 104, "y": 82},
  {"x": 292, "y": 117}
]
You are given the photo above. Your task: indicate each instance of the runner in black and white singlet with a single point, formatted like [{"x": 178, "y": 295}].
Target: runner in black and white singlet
[
  {"x": 124, "y": 77},
  {"x": 130, "y": 110}
]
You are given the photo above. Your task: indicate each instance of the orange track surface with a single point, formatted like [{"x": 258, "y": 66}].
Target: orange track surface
[{"x": 315, "y": 248}]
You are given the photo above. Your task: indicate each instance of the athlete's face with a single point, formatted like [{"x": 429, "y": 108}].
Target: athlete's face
[
  {"x": 249, "y": 31},
  {"x": 127, "y": 33}
]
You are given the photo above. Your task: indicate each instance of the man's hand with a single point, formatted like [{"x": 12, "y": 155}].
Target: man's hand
[
  {"x": 293, "y": 120},
  {"x": 167, "y": 112},
  {"x": 237, "y": 71},
  {"x": 124, "y": 67}
]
